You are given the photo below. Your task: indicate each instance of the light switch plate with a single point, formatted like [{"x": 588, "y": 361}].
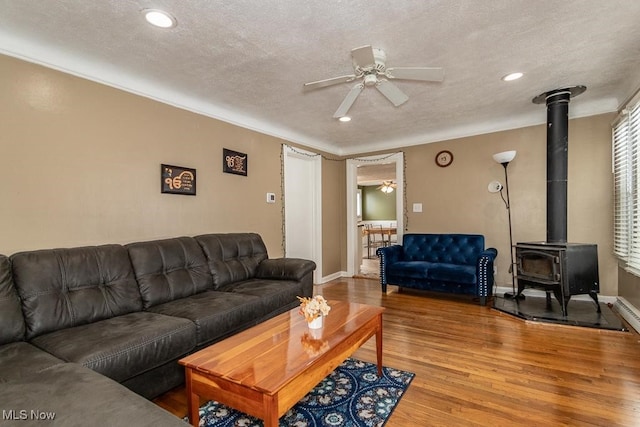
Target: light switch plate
[{"x": 417, "y": 207}]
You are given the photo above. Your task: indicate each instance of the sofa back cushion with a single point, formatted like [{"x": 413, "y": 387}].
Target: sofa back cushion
[
  {"x": 232, "y": 257},
  {"x": 461, "y": 249},
  {"x": 11, "y": 321},
  {"x": 169, "y": 269},
  {"x": 62, "y": 288}
]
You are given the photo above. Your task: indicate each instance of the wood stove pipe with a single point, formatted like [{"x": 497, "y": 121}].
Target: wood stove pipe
[{"x": 557, "y": 102}]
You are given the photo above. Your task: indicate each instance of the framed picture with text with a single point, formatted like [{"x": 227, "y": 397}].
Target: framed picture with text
[
  {"x": 234, "y": 162},
  {"x": 177, "y": 180}
]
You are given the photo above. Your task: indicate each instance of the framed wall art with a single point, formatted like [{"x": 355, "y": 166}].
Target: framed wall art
[
  {"x": 177, "y": 180},
  {"x": 234, "y": 162}
]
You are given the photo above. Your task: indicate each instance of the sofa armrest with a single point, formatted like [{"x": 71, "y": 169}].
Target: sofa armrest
[
  {"x": 285, "y": 268},
  {"x": 490, "y": 253},
  {"x": 388, "y": 255},
  {"x": 484, "y": 271}
]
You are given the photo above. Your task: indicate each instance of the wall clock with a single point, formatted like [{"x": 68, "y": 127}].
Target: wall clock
[{"x": 444, "y": 158}]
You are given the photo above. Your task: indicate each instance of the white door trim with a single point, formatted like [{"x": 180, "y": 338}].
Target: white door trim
[
  {"x": 352, "y": 186},
  {"x": 315, "y": 234}
]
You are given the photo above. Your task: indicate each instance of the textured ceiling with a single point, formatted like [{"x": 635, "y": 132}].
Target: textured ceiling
[
  {"x": 376, "y": 174},
  {"x": 245, "y": 61}
]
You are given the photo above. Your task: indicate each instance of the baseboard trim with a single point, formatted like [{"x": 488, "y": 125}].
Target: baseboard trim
[
  {"x": 330, "y": 277},
  {"x": 628, "y": 312}
]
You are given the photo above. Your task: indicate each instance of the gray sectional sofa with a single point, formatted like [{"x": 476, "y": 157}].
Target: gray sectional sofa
[{"x": 91, "y": 333}]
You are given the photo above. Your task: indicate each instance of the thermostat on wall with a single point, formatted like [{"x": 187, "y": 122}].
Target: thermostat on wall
[{"x": 271, "y": 197}]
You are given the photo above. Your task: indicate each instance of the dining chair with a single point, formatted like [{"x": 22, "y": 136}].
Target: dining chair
[{"x": 393, "y": 235}]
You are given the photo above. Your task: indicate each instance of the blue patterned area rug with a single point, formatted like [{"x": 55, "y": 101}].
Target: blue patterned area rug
[{"x": 351, "y": 396}]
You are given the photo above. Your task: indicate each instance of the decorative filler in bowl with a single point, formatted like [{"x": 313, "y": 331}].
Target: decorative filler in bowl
[{"x": 314, "y": 309}]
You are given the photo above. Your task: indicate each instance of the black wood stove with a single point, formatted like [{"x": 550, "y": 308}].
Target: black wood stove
[
  {"x": 560, "y": 268},
  {"x": 563, "y": 269}
]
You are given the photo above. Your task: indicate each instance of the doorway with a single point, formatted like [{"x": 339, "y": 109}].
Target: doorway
[
  {"x": 354, "y": 223},
  {"x": 378, "y": 214},
  {"x": 303, "y": 206}
]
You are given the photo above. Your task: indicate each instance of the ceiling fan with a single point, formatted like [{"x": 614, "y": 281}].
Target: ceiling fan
[
  {"x": 369, "y": 65},
  {"x": 387, "y": 186}
]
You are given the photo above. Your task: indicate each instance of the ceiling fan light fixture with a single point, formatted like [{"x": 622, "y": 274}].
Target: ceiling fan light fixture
[
  {"x": 345, "y": 119},
  {"x": 387, "y": 187},
  {"x": 370, "y": 70},
  {"x": 159, "y": 18},
  {"x": 512, "y": 76},
  {"x": 370, "y": 80}
]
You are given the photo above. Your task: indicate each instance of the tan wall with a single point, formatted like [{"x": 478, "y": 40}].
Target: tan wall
[
  {"x": 629, "y": 287},
  {"x": 81, "y": 161},
  {"x": 80, "y": 165},
  {"x": 334, "y": 226},
  {"x": 456, "y": 199}
]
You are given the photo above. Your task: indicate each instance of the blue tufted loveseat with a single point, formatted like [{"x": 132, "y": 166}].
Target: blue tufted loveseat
[{"x": 454, "y": 263}]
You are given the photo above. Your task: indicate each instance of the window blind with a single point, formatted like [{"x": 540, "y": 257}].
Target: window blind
[
  {"x": 626, "y": 179},
  {"x": 621, "y": 214}
]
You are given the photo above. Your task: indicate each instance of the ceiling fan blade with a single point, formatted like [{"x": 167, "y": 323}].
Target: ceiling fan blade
[
  {"x": 391, "y": 92},
  {"x": 416, "y": 73},
  {"x": 363, "y": 56},
  {"x": 348, "y": 101},
  {"x": 329, "y": 82}
]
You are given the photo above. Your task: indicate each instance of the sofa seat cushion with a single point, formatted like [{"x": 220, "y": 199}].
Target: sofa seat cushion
[
  {"x": 77, "y": 396},
  {"x": 20, "y": 359},
  {"x": 409, "y": 269},
  {"x": 123, "y": 346},
  {"x": 453, "y": 273},
  {"x": 215, "y": 314},
  {"x": 274, "y": 294}
]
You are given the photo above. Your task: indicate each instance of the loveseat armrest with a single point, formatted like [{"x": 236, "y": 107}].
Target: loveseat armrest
[
  {"x": 388, "y": 255},
  {"x": 490, "y": 252},
  {"x": 484, "y": 272},
  {"x": 284, "y": 268}
]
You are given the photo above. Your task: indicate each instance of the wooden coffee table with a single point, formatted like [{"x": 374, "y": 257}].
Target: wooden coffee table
[{"x": 265, "y": 370}]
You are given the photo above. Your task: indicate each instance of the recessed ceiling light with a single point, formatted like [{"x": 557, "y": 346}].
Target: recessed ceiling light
[
  {"x": 159, "y": 18},
  {"x": 512, "y": 76},
  {"x": 345, "y": 119}
]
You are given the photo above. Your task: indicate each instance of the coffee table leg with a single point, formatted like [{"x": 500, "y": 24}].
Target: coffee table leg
[
  {"x": 193, "y": 401},
  {"x": 271, "y": 422},
  {"x": 271, "y": 418},
  {"x": 379, "y": 345}
]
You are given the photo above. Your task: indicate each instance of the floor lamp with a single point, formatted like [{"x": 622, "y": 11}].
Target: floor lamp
[{"x": 504, "y": 158}]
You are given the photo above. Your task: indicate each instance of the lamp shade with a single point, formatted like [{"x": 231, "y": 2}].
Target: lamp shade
[
  {"x": 494, "y": 186},
  {"x": 505, "y": 156}
]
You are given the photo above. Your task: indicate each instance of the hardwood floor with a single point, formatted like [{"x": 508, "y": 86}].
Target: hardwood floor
[{"x": 478, "y": 366}]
